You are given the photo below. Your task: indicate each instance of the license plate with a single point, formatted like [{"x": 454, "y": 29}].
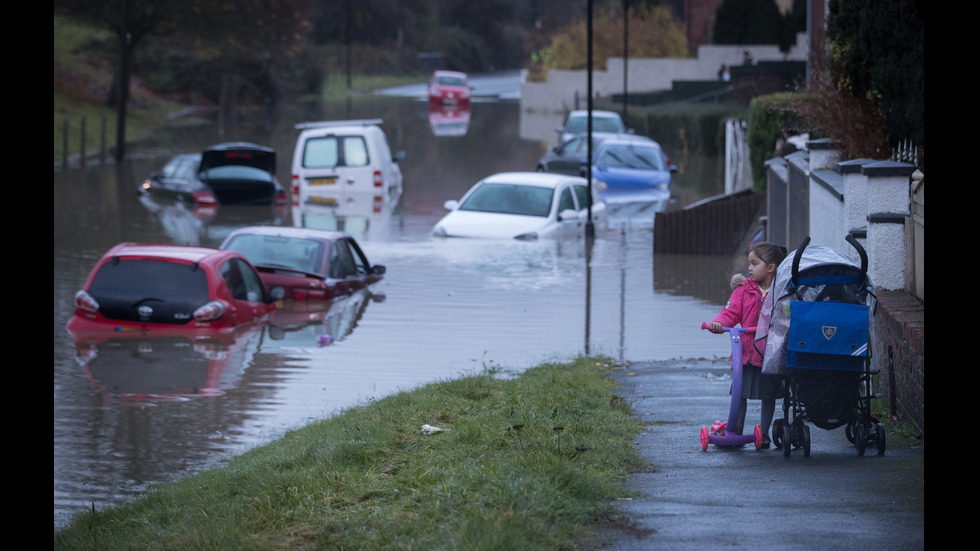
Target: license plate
[
  {"x": 328, "y": 181},
  {"x": 316, "y": 200}
]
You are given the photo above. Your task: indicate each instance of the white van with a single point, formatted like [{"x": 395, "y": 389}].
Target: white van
[{"x": 334, "y": 159}]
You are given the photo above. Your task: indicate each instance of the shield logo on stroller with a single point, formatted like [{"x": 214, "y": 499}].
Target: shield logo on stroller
[{"x": 828, "y": 331}]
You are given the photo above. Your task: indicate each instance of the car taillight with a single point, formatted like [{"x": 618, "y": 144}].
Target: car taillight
[
  {"x": 85, "y": 302},
  {"x": 377, "y": 178},
  {"x": 204, "y": 198},
  {"x": 295, "y": 190},
  {"x": 210, "y": 311},
  {"x": 280, "y": 200},
  {"x": 377, "y": 203}
]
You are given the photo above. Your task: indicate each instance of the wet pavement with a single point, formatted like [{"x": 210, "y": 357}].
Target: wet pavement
[{"x": 723, "y": 498}]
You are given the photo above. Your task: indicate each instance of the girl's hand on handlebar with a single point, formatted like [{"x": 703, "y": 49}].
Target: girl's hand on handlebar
[{"x": 715, "y": 327}]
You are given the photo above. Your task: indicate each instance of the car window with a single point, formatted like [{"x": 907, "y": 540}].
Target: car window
[
  {"x": 333, "y": 151},
  {"x": 355, "y": 151},
  {"x": 572, "y": 146},
  {"x": 567, "y": 201},
  {"x": 321, "y": 153},
  {"x": 179, "y": 168},
  {"x": 361, "y": 266},
  {"x": 242, "y": 280},
  {"x": 450, "y": 81},
  {"x": 141, "y": 279},
  {"x": 606, "y": 124},
  {"x": 297, "y": 253},
  {"x": 582, "y": 194},
  {"x": 237, "y": 172},
  {"x": 341, "y": 261},
  {"x": 579, "y": 124},
  {"x": 632, "y": 156},
  {"x": 510, "y": 199}
]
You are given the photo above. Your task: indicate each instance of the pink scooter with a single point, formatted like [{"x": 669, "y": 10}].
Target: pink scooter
[{"x": 719, "y": 434}]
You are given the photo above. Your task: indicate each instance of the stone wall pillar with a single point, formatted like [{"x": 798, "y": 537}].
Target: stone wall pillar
[{"x": 888, "y": 211}]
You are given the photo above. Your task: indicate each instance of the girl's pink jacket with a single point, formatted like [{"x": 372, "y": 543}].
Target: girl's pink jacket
[{"x": 743, "y": 309}]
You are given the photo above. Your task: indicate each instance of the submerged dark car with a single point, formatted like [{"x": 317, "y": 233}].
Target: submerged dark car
[
  {"x": 308, "y": 264},
  {"x": 235, "y": 173}
]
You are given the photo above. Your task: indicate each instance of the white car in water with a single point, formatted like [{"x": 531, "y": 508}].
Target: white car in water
[{"x": 524, "y": 205}]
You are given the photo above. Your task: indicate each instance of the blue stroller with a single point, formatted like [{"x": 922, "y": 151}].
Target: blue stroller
[{"x": 817, "y": 320}]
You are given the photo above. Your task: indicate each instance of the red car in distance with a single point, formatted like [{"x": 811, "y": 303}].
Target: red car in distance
[
  {"x": 449, "y": 89},
  {"x": 309, "y": 264},
  {"x": 169, "y": 289}
]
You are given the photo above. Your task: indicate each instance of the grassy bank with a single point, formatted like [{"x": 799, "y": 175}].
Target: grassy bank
[{"x": 522, "y": 463}]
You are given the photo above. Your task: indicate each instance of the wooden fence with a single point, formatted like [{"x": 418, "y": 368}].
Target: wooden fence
[
  {"x": 82, "y": 154},
  {"x": 717, "y": 226}
]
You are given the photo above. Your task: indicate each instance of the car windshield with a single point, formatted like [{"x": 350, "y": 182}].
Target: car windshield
[
  {"x": 236, "y": 172},
  {"x": 333, "y": 151},
  {"x": 295, "y": 253},
  {"x": 444, "y": 80},
  {"x": 599, "y": 124},
  {"x": 631, "y": 156},
  {"x": 136, "y": 280},
  {"x": 510, "y": 199}
]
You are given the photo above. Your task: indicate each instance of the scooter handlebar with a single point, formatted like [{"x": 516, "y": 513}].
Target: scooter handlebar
[{"x": 706, "y": 325}]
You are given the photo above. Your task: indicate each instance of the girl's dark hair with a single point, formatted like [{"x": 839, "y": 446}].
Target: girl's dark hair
[{"x": 770, "y": 253}]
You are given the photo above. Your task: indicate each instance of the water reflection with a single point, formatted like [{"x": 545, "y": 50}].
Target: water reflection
[
  {"x": 144, "y": 370},
  {"x": 448, "y": 121}
]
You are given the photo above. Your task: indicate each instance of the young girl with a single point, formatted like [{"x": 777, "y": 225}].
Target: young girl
[{"x": 743, "y": 309}]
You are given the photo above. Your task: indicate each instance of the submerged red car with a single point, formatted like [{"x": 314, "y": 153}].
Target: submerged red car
[
  {"x": 450, "y": 88},
  {"x": 170, "y": 289},
  {"x": 309, "y": 264}
]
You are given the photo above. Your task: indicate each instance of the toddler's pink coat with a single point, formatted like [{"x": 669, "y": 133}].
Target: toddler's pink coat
[{"x": 743, "y": 309}]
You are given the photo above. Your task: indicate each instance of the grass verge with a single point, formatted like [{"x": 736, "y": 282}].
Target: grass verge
[{"x": 523, "y": 463}]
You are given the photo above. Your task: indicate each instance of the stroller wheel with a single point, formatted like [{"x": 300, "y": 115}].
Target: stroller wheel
[
  {"x": 704, "y": 438},
  {"x": 806, "y": 441},
  {"x": 787, "y": 439},
  {"x": 777, "y": 433},
  {"x": 758, "y": 437},
  {"x": 849, "y": 431},
  {"x": 860, "y": 437},
  {"x": 881, "y": 439}
]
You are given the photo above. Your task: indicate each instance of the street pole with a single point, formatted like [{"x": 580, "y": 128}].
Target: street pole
[{"x": 589, "y": 225}]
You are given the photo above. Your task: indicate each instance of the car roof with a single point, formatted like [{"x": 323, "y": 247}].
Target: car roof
[
  {"x": 595, "y": 112},
  {"x": 542, "y": 179},
  {"x": 629, "y": 139},
  {"x": 291, "y": 231},
  {"x": 449, "y": 73},
  {"x": 186, "y": 253},
  {"x": 326, "y": 127}
]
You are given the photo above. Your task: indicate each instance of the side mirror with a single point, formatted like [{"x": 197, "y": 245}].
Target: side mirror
[
  {"x": 277, "y": 293},
  {"x": 673, "y": 168},
  {"x": 559, "y": 129},
  {"x": 398, "y": 157},
  {"x": 567, "y": 215},
  {"x": 378, "y": 269},
  {"x": 451, "y": 204}
]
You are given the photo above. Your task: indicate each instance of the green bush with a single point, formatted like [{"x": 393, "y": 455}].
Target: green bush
[
  {"x": 767, "y": 116},
  {"x": 691, "y": 128}
]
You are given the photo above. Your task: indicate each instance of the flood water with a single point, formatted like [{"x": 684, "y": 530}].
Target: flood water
[{"x": 129, "y": 413}]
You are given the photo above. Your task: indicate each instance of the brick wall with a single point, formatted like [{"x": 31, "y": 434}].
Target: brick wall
[{"x": 900, "y": 351}]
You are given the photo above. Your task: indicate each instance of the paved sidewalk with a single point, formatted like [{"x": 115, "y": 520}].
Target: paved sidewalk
[{"x": 724, "y": 498}]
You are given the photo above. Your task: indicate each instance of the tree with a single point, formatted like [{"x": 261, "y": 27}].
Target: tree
[
  {"x": 877, "y": 49},
  {"x": 748, "y": 22}
]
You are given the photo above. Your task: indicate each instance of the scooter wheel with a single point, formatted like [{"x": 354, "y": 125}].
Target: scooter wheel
[
  {"x": 758, "y": 437},
  {"x": 704, "y": 438}
]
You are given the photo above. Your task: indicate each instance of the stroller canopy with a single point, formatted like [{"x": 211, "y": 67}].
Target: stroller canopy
[{"x": 821, "y": 274}]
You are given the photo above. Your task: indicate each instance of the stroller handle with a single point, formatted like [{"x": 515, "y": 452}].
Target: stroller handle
[
  {"x": 706, "y": 325},
  {"x": 849, "y": 238}
]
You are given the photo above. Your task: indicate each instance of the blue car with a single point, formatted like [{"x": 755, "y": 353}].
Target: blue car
[{"x": 633, "y": 169}]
